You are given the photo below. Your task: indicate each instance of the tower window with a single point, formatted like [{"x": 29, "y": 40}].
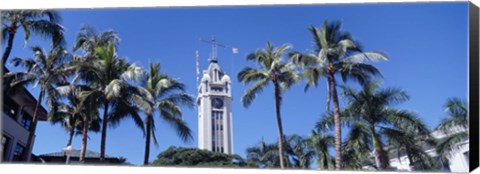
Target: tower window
[
  {"x": 206, "y": 86},
  {"x": 226, "y": 86}
]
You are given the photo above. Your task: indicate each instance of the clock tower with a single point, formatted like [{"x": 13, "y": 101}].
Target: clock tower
[{"x": 215, "y": 109}]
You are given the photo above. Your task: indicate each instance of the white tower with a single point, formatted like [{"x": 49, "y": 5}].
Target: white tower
[{"x": 215, "y": 109}]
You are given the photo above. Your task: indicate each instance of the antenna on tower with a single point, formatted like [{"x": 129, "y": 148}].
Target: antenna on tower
[
  {"x": 213, "y": 56},
  {"x": 197, "y": 64}
]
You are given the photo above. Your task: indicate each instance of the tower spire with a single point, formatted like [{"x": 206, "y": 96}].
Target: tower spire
[
  {"x": 214, "y": 50},
  {"x": 213, "y": 56}
]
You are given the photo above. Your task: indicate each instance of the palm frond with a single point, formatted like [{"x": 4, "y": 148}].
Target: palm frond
[
  {"x": 362, "y": 57},
  {"x": 48, "y": 29},
  {"x": 312, "y": 75},
  {"x": 248, "y": 75},
  {"x": 5, "y": 34},
  {"x": 303, "y": 60},
  {"x": 177, "y": 123},
  {"x": 133, "y": 72},
  {"x": 122, "y": 110},
  {"x": 21, "y": 78},
  {"x": 326, "y": 122},
  {"x": 406, "y": 120},
  {"x": 252, "y": 93},
  {"x": 449, "y": 145}
]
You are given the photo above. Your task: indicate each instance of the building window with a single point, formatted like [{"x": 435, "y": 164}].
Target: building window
[
  {"x": 26, "y": 121},
  {"x": 19, "y": 150},
  {"x": 467, "y": 156},
  {"x": 5, "y": 142},
  {"x": 10, "y": 107}
]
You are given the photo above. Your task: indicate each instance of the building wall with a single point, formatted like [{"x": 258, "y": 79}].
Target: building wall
[
  {"x": 457, "y": 162},
  {"x": 16, "y": 134}
]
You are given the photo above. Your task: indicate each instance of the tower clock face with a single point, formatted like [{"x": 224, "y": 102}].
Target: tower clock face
[{"x": 217, "y": 103}]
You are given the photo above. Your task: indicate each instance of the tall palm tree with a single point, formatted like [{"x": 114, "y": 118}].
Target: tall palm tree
[
  {"x": 271, "y": 69},
  {"x": 41, "y": 22},
  {"x": 45, "y": 71},
  {"x": 166, "y": 95},
  {"x": 372, "y": 107},
  {"x": 82, "y": 109},
  {"x": 320, "y": 144},
  {"x": 335, "y": 53},
  {"x": 455, "y": 126},
  {"x": 109, "y": 77}
]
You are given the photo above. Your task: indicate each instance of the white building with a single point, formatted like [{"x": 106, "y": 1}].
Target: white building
[
  {"x": 458, "y": 161},
  {"x": 215, "y": 110}
]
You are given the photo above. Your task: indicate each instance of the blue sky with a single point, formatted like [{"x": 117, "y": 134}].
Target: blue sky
[{"x": 426, "y": 44}]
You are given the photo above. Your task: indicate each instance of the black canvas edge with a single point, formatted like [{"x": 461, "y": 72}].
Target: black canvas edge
[{"x": 473, "y": 85}]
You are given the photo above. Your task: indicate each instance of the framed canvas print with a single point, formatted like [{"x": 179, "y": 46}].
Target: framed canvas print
[{"x": 390, "y": 87}]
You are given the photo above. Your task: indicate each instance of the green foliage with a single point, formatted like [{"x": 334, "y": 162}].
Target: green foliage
[
  {"x": 265, "y": 155},
  {"x": 179, "y": 156},
  {"x": 372, "y": 119},
  {"x": 453, "y": 126},
  {"x": 44, "y": 23}
]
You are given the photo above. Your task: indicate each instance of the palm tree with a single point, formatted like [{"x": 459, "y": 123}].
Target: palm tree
[
  {"x": 109, "y": 76},
  {"x": 167, "y": 95},
  {"x": 320, "y": 144},
  {"x": 45, "y": 71},
  {"x": 265, "y": 155},
  {"x": 335, "y": 54},
  {"x": 42, "y": 22},
  {"x": 356, "y": 151},
  {"x": 372, "y": 108},
  {"x": 454, "y": 126},
  {"x": 413, "y": 145},
  {"x": 299, "y": 152},
  {"x": 80, "y": 113},
  {"x": 88, "y": 39},
  {"x": 65, "y": 115},
  {"x": 271, "y": 69}
]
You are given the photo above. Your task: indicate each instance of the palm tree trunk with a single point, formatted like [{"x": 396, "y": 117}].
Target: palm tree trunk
[
  {"x": 325, "y": 161},
  {"x": 279, "y": 124},
  {"x": 33, "y": 127},
  {"x": 378, "y": 151},
  {"x": 70, "y": 137},
  {"x": 104, "y": 130},
  {"x": 84, "y": 137},
  {"x": 410, "y": 160},
  {"x": 8, "y": 48},
  {"x": 336, "y": 114},
  {"x": 147, "y": 139}
]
